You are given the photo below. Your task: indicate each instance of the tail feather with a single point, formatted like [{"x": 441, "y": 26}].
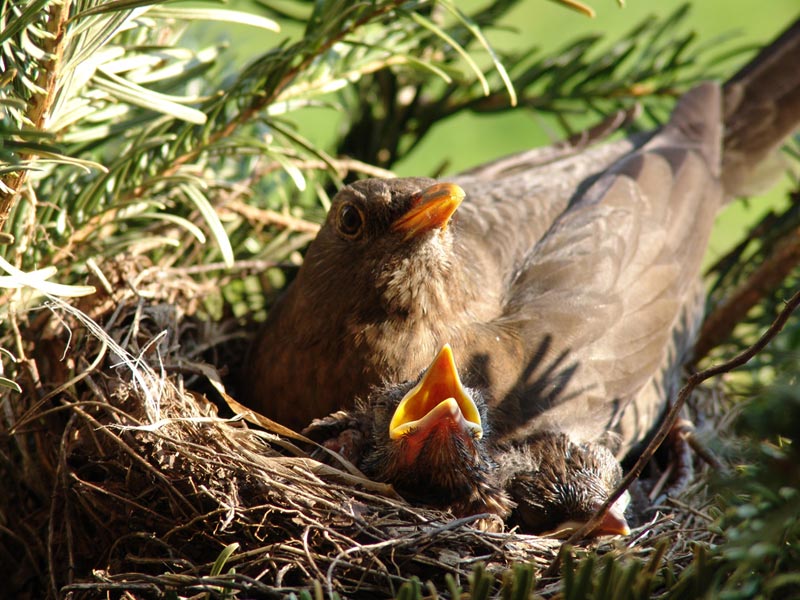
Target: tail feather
[
  {"x": 761, "y": 108},
  {"x": 696, "y": 120}
]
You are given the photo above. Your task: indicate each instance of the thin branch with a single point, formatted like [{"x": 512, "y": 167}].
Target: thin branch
[
  {"x": 252, "y": 266},
  {"x": 39, "y": 107},
  {"x": 271, "y": 217},
  {"x": 719, "y": 325},
  {"x": 259, "y": 102}
]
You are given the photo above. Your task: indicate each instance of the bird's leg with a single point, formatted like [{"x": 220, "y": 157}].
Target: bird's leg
[
  {"x": 684, "y": 466},
  {"x": 680, "y": 472}
]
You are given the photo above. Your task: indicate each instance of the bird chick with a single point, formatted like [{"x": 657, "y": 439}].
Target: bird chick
[
  {"x": 427, "y": 440},
  {"x": 558, "y": 485}
]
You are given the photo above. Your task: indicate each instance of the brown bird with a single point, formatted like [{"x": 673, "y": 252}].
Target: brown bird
[
  {"x": 381, "y": 290},
  {"x": 568, "y": 287}
]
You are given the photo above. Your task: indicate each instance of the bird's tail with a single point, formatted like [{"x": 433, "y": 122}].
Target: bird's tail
[{"x": 761, "y": 105}]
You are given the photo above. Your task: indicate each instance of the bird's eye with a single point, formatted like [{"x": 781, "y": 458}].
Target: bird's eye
[{"x": 350, "y": 221}]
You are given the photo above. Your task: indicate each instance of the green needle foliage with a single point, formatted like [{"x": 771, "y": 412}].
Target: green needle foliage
[{"x": 392, "y": 112}]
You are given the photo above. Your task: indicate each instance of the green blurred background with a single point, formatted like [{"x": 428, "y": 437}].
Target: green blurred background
[{"x": 469, "y": 139}]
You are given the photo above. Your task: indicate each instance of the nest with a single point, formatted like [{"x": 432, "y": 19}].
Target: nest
[{"x": 124, "y": 472}]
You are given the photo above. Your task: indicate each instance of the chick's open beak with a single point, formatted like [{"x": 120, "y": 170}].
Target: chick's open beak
[
  {"x": 439, "y": 398},
  {"x": 431, "y": 209}
]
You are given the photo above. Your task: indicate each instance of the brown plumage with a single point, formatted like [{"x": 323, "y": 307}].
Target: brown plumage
[
  {"x": 568, "y": 288},
  {"x": 557, "y": 485}
]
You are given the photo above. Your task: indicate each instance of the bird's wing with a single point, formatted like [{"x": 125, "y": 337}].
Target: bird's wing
[
  {"x": 599, "y": 298},
  {"x": 511, "y": 203}
]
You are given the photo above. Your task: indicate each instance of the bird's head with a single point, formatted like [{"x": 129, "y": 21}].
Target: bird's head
[
  {"x": 437, "y": 409},
  {"x": 381, "y": 243},
  {"x": 427, "y": 442},
  {"x": 558, "y": 485}
]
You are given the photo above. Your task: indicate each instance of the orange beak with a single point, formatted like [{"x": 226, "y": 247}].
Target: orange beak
[
  {"x": 431, "y": 209},
  {"x": 437, "y": 402},
  {"x": 612, "y": 524}
]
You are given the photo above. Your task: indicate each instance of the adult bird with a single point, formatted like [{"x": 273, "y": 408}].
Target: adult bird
[{"x": 566, "y": 284}]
